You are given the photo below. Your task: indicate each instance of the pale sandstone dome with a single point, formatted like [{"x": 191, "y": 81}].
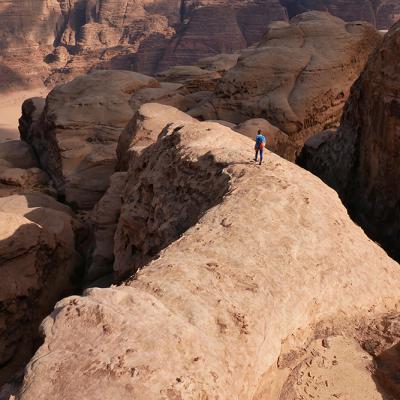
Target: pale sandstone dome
[
  {"x": 77, "y": 133},
  {"x": 362, "y": 160},
  {"x": 298, "y": 77},
  {"x": 38, "y": 260},
  {"x": 221, "y": 306}
]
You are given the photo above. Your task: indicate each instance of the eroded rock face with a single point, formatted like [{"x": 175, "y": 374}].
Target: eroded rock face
[
  {"x": 298, "y": 77},
  {"x": 150, "y": 121},
  {"x": 361, "y": 160},
  {"x": 105, "y": 218},
  {"x": 76, "y": 136},
  {"x": 19, "y": 170},
  {"x": 54, "y": 41},
  {"x": 37, "y": 266},
  {"x": 382, "y": 13},
  {"x": 63, "y": 39},
  {"x": 152, "y": 35},
  {"x": 212, "y": 314},
  {"x": 144, "y": 129},
  {"x": 27, "y": 32}
]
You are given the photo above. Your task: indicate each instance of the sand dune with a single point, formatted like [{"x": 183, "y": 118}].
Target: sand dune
[{"x": 10, "y": 111}]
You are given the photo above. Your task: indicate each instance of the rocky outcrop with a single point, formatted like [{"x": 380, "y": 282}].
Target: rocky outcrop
[
  {"x": 294, "y": 78},
  {"x": 144, "y": 129},
  {"x": 63, "y": 39},
  {"x": 37, "y": 265},
  {"x": 262, "y": 259},
  {"x": 149, "y": 123},
  {"x": 151, "y": 35},
  {"x": 382, "y": 13},
  {"x": 361, "y": 160},
  {"x": 54, "y": 41},
  {"x": 387, "y": 13},
  {"x": 76, "y": 136},
  {"x": 19, "y": 170},
  {"x": 27, "y": 33}
]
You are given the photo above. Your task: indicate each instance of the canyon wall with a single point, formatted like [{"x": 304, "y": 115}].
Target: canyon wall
[
  {"x": 381, "y": 13},
  {"x": 53, "y": 41},
  {"x": 361, "y": 160}
]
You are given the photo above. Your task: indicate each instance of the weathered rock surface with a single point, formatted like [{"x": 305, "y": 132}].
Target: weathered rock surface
[
  {"x": 37, "y": 263},
  {"x": 23, "y": 177},
  {"x": 214, "y": 27},
  {"x": 144, "y": 129},
  {"x": 76, "y": 136},
  {"x": 298, "y": 77},
  {"x": 63, "y": 39},
  {"x": 19, "y": 170},
  {"x": 276, "y": 140},
  {"x": 220, "y": 62},
  {"x": 54, "y": 41},
  {"x": 28, "y": 30},
  {"x": 362, "y": 159},
  {"x": 105, "y": 218},
  {"x": 149, "y": 122},
  {"x": 192, "y": 77},
  {"x": 271, "y": 259},
  {"x": 18, "y": 154},
  {"x": 382, "y": 13}
]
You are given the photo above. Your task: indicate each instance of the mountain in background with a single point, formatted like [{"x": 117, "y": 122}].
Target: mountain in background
[{"x": 53, "y": 40}]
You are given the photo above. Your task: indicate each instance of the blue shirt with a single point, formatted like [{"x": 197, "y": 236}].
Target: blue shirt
[{"x": 260, "y": 139}]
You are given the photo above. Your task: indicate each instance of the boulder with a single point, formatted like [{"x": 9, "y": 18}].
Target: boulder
[
  {"x": 18, "y": 154},
  {"x": 362, "y": 159},
  {"x": 38, "y": 263},
  {"x": 31, "y": 111},
  {"x": 77, "y": 133},
  {"x": 192, "y": 77},
  {"x": 219, "y": 63},
  {"x": 297, "y": 78},
  {"x": 250, "y": 265},
  {"x": 23, "y": 177},
  {"x": 144, "y": 129}
]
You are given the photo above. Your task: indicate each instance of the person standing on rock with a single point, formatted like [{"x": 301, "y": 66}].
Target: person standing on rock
[{"x": 259, "y": 147}]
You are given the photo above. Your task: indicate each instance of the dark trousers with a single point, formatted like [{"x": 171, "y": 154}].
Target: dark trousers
[{"x": 261, "y": 151}]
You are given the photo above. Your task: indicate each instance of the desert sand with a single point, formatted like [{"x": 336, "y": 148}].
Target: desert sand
[{"x": 10, "y": 111}]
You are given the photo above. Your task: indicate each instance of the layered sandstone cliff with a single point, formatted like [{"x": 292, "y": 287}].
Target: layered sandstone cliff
[
  {"x": 361, "y": 160},
  {"x": 54, "y": 41}
]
